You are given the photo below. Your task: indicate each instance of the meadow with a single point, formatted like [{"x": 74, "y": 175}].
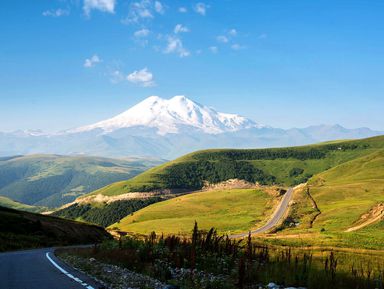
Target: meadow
[{"x": 230, "y": 211}]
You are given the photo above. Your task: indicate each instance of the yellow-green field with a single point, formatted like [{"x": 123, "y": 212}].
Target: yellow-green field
[{"x": 230, "y": 211}]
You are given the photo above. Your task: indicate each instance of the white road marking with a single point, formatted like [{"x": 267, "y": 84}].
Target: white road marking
[{"x": 66, "y": 273}]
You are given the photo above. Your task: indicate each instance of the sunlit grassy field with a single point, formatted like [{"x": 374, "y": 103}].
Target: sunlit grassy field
[{"x": 230, "y": 211}]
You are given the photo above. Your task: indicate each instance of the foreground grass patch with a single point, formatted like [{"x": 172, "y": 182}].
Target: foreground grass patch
[{"x": 206, "y": 260}]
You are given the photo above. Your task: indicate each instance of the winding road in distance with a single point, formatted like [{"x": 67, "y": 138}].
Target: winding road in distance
[
  {"x": 40, "y": 269},
  {"x": 274, "y": 220}
]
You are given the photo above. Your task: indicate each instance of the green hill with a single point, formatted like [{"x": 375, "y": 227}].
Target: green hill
[
  {"x": 342, "y": 205},
  {"x": 8, "y": 203},
  {"x": 22, "y": 230},
  {"x": 52, "y": 180},
  {"x": 345, "y": 196},
  {"x": 346, "y": 193},
  {"x": 284, "y": 166}
]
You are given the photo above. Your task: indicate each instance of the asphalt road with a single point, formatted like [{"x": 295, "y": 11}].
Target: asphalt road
[
  {"x": 32, "y": 269},
  {"x": 274, "y": 220}
]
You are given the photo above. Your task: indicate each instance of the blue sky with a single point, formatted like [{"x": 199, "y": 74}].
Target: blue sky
[{"x": 293, "y": 63}]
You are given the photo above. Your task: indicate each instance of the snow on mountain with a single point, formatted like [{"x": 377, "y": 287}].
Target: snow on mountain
[{"x": 171, "y": 116}]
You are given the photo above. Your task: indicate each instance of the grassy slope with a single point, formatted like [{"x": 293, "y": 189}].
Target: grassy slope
[
  {"x": 21, "y": 230},
  {"x": 346, "y": 192},
  {"x": 352, "y": 188},
  {"x": 229, "y": 211},
  {"x": 8, "y": 203},
  {"x": 279, "y": 168},
  {"x": 342, "y": 194},
  {"x": 51, "y": 180}
]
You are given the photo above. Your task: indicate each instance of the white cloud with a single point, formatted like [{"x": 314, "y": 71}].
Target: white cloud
[
  {"x": 232, "y": 32},
  {"x": 101, "y": 5},
  {"x": 141, "y": 77},
  {"x": 143, "y": 9},
  {"x": 56, "y": 13},
  {"x": 236, "y": 46},
  {"x": 183, "y": 10},
  {"x": 201, "y": 8},
  {"x": 91, "y": 62},
  {"x": 222, "y": 39},
  {"x": 159, "y": 8},
  {"x": 213, "y": 49},
  {"x": 180, "y": 29},
  {"x": 175, "y": 45},
  {"x": 145, "y": 13},
  {"x": 141, "y": 33}
]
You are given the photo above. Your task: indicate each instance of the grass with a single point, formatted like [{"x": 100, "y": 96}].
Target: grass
[
  {"x": 207, "y": 260},
  {"x": 342, "y": 194},
  {"x": 346, "y": 192},
  {"x": 230, "y": 211}
]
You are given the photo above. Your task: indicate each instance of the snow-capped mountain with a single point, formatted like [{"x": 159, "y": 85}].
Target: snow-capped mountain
[
  {"x": 173, "y": 116},
  {"x": 168, "y": 128}
]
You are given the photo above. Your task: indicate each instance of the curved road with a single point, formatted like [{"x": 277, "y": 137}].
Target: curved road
[
  {"x": 36, "y": 269},
  {"x": 274, "y": 220}
]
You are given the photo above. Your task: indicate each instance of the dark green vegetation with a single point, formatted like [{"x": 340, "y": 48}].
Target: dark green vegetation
[
  {"x": 283, "y": 166},
  {"x": 212, "y": 261},
  {"x": 52, "y": 180},
  {"x": 104, "y": 214},
  {"x": 22, "y": 230}
]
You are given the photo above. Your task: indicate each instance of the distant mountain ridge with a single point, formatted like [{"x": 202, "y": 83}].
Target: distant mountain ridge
[
  {"x": 168, "y": 128},
  {"x": 53, "y": 180}
]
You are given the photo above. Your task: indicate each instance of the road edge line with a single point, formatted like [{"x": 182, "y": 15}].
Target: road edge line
[{"x": 66, "y": 273}]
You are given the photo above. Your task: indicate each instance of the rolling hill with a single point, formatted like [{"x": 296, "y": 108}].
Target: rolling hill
[
  {"x": 350, "y": 199},
  {"x": 283, "y": 166},
  {"x": 52, "y": 180},
  {"x": 343, "y": 206}
]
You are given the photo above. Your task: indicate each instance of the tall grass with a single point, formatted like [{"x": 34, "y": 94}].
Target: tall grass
[{"x": 238, "y": 263}]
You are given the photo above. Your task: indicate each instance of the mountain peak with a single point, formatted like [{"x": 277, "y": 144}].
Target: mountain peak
[
  {"x": 172, "y": 116},
  {"x": 179, "y": 98}
]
